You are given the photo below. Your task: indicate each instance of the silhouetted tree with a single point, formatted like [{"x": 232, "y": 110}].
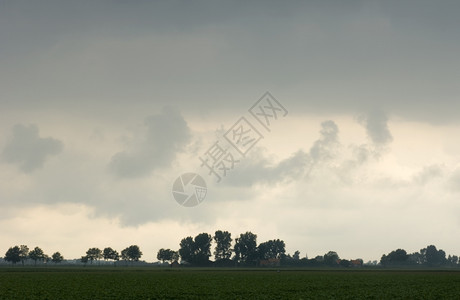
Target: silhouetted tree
[
  {"x": 37, "y": 254},
  {"x": 57, "y": 257},
  {"x": 432, "y": 256},
  {"x": 271, "y": 249},
  {"x": 246, "y": 247},
  {"x": 187, "y": 249},
  {"x": 167, "y": 255},
  {"x": 196, "y": 251},
  {"x": 331, "y": 258},
  {"x": 94, "y": 254},
  {"x": 223, "y": 241},
  {"x": 202, "y": 245},
  {"x": 132, "y": 253},
  {"x": 23, "y": 253},
  {"x": 110, "y": 254},
  {"x": 396, "y": 257},
  {"x": 13, "y": 255}
]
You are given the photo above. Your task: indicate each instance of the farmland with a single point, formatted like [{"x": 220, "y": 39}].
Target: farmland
[{"x": 162, "y": 283}]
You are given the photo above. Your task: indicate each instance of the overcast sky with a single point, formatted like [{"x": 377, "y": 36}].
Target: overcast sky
[{"x": 104, "y": 104}]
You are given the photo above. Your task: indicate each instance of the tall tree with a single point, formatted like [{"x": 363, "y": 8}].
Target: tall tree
[
  {"x": 223, "y": 241},
  {"x": 167, "y": 255},
  {"x": 432, "y": 256},
  {"x": 202, "y": 249},
  {"x": 132, "y": 253},
  {"x": 162, "y": 255},
  {"x": 396, "y": 257},
  {"x": 23, "y": 253},
  {"x": 246, "y": 247},
  {"x": 196, "y": 251},
  {"x": 124, "y": 254},
  {"x": 187, "y": 249},
  {"x": 37, "y": 254},
  {"x": 331, "y": 258},
  {"x": 94, "y": 254},
  {"x": 110, "y": 254},
  {"x": 271, "y": 249},
  {"x": 57, "y": 257},
  {"x": 13, "y": 255},
  {"x": 263, "y": 250}
]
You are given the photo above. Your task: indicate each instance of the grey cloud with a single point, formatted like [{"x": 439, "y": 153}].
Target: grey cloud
[
  {"x": 324, "y": 147},
  {"x": 292, "y": 167},
  {"x": 28, "y": 150},
  {"x": 165, "y": 134},
  {"x": 257, "y": 168},
  {"x": 326, "y": 156},
  {"x": 359, "y": 156},
  {"x": 322, "y": 56},
  {"x": 376, "y": 124}
]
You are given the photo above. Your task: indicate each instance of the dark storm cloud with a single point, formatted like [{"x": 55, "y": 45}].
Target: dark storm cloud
[
  {"x": 28, "y": 150},
  {"x": 165, "y": 134},
  {"x": 334, "y": 56}
]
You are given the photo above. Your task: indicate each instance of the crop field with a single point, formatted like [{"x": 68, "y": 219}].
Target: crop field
[{"x": 162, "y": 283}]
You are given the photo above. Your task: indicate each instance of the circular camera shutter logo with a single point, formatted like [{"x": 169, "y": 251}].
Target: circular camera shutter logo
[{"x": 189, "y": 189}]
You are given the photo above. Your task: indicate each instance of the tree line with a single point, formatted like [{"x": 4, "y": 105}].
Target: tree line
[
  {"x": 245, "y": 251},
  {"x": 131, "y": 253},
  {"x": 429, "y": 256},
  {"x": 241, "y": 251},
  {"x": 21, "y": 254}
]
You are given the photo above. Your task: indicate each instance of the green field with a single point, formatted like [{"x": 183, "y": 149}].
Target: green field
[{"x": 162, "y": 283}]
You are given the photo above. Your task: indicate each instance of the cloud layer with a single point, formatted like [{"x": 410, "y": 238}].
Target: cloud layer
[
  {"x": 165, "y": 134},
  {"x": 369, "y": 150},
  {"x": 28, "y": 150},
  {"x": 323, "y": 57}
]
